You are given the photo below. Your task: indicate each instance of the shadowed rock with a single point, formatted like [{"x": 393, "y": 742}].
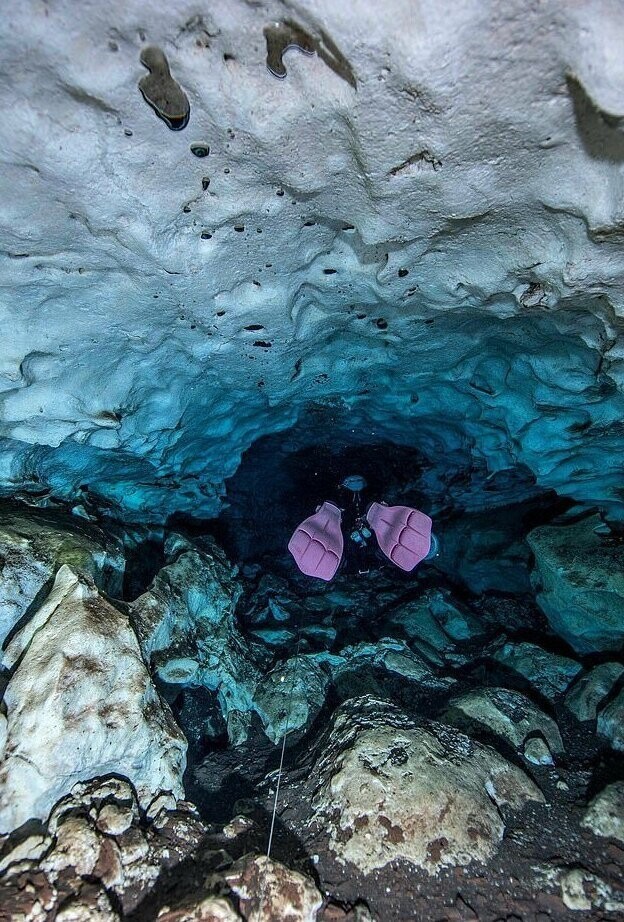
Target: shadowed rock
[
  {"x": 281, "y": 36},
  {"x": 162, "y": 92}
]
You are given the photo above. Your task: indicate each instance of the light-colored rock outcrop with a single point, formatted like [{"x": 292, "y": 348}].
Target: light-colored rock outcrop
[
  {"x": 81, "y": 858},
  {"x": 390, "y": 789},
  {"x": 33, "y": 545},
  {"x": 200, "y": 909},
  {"x": 580, "y": 580},
  {"x": 605, "y": 814},
  {"x": 80, "y": 704},
  {"x": 427, "y": 229},
  {"x": 582, "y": 891},
  {"x": 510, "y": 716},
  {"x": 611, "y": 722},
  {"x": 587, "y": 694},
  {"x": 267, "y": 890},
  {"x": 548, "y": 674}
]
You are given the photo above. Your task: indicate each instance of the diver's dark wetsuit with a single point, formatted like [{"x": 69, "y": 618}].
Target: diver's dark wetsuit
[{"x": 361, "y": 551}]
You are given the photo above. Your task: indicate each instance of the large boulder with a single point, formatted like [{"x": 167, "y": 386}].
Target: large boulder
[
  {"x": 188, "y": 632},
  {"x": 507, "y": 715},
  {"x": 605, "y": 814},
  {"x": 385, "y": 656},
  {"x": 387, "y": 788},
  {"x": 35, "y": 543},
  {"x": 80, "y": 703},
  {"x": 587, "y": 694},
  {"x": 291, "y": 695},
  {"x": 267, "y": 891},
  {"x": 548, "y": 674},
  {"x": 580, "y": 577}
]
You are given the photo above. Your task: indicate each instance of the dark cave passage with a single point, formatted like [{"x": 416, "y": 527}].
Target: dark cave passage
[{"x": 480, "y": 519}]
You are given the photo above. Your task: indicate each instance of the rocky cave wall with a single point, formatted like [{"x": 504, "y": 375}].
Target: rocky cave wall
[{"x": 419, "y": 224}]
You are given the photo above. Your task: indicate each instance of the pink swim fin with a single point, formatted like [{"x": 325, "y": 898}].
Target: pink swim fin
[
  {"x": 403, "y": 533},
  {"x": 317, "y": 544}
]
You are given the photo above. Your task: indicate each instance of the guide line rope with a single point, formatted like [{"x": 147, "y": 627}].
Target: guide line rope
[
  {"x": 265, "y": 883},
  {"x": 283, "y": 752}
]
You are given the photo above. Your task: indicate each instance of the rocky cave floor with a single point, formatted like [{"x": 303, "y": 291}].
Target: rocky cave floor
[{"x": 449, "y": 757}]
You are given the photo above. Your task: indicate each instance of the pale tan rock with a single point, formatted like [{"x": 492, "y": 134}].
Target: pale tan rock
[
  {"x": 508, "y": 714},
  {"x": 80, "y": 704},
  {"x": 92, "y": 908},
  {"x": 269, "y": 891},
  {"x": 237, "y": 826},
  {"x": 77, "y": 846},
  {"x": 573, "y": 891},
  {"x": 605, "y": 814},
  {"x": 114, "y": 819},
  {"x": 428, "y": 795},
  {"x": 582, "y": 891},
  {"x": 206, "y": 909},
  {"x": 35, "y": 543},
  {"x": 161, "y": 802},
  {"x": 24, "y": 853}
]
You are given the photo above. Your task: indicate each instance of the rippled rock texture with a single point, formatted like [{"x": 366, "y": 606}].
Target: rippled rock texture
[{"x": 80, "y": 703}]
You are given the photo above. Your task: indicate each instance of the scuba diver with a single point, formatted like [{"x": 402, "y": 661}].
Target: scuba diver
[{"x": 403, "y": 535}]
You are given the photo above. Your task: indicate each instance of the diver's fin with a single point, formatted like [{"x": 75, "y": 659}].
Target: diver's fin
[
  {"x": 403, "y": 533},
  {"x": 317, "y": 544}
]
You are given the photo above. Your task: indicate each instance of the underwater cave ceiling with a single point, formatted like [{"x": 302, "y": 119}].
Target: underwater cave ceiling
[{"x": 418, "y": 227}]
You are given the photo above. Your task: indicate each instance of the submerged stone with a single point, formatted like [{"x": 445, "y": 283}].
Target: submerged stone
[
  {"x": 98, "y": 842},
  {"x": 419, "y": 620},
  {"x": 548, "y": 673},
  {"x": 507, "y": 714},
  {"x": 80, "y": 703},
  {"x": 274, "y": 637},
  {"x": 588, "y": 692},
  {"x": 291, "y": 695},
  {"x": 537, "y": 752},
  {"x": 268, "y": 890},
  {"x": 389, "y": 789},
  {"x": 389, "y": 655},
  {"x": 605, "y": 814},
  {"x": 580, "y": 580},
  {"x": 187, "y": 629},
  {"x": 611, "y": 722}
]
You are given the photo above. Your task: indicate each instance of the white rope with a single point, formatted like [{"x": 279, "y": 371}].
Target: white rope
[
  {"x": 264, "y": 889},
  {"x": 286, "y": 732},
  {"x": 277, "y": 790}
]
